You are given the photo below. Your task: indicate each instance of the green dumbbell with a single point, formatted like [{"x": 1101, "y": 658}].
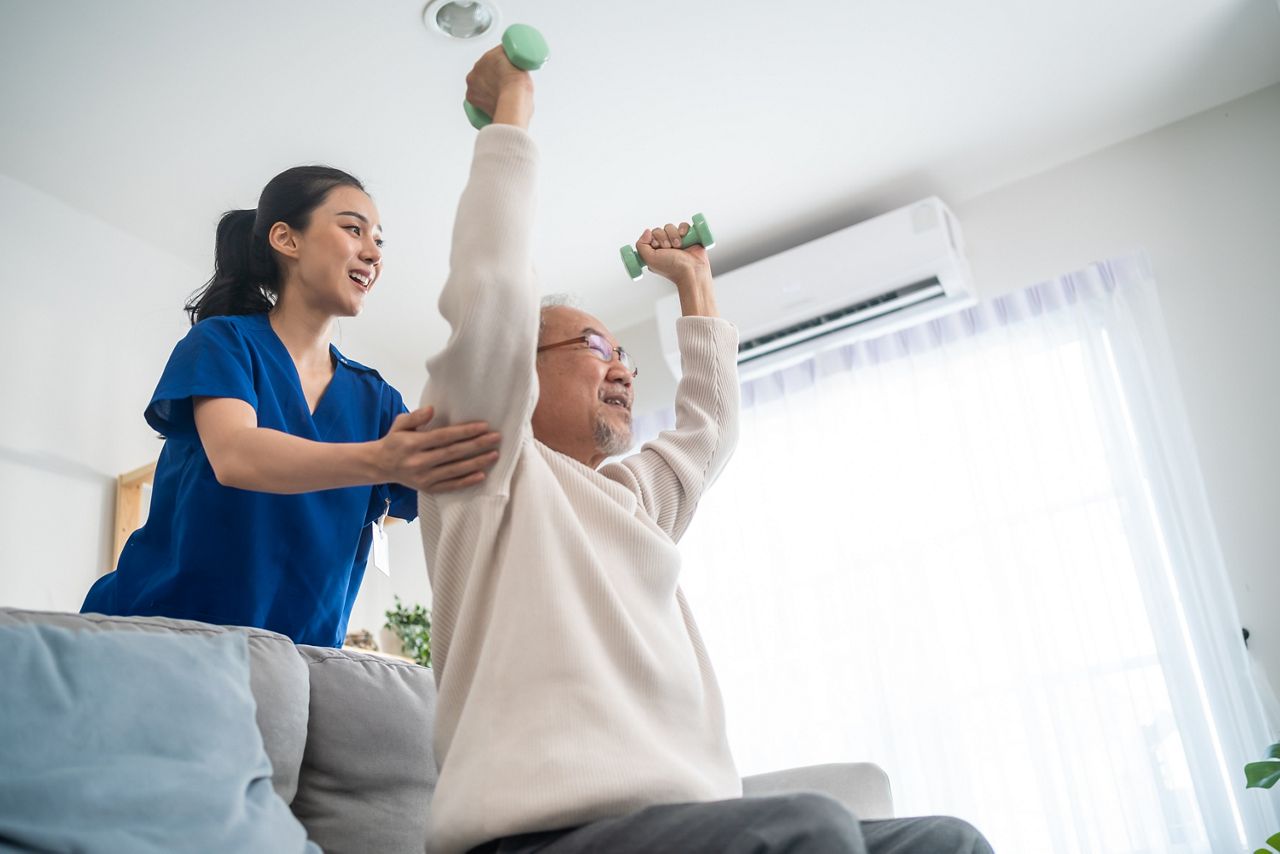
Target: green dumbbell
[
  {"x": 527, "y": 50},
  {"x": 699, "y": 235}
]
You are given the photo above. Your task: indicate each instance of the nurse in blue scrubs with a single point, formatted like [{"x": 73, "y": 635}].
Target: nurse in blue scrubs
[{"x": 281, "y": 455}]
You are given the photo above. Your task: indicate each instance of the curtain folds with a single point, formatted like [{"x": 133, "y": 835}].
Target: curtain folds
[{"x": 979, "y": 553}]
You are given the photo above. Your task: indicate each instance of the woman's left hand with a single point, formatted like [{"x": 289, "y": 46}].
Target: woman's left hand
[{"x": 435, "y": 460}]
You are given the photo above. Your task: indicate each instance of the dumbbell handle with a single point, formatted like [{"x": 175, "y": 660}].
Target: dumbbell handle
[
  {"x": 526, "y": 49},
  {"x": 699, "y": 234}
]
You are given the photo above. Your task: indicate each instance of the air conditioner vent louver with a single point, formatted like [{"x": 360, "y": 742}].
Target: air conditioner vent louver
[{"x": 834, "y": 321}]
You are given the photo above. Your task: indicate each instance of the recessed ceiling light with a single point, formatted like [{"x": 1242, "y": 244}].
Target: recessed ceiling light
[{"x": 460, "y": 19}]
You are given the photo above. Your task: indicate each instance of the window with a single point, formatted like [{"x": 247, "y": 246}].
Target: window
[{"x": 948, "y": 551}]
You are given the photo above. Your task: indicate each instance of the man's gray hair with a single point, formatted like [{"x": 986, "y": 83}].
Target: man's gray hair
[{"x": 554, "y": 301}]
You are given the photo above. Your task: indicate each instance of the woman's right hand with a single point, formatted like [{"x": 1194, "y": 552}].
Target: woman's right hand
[
  {"x": 441, "y": 460},
  {"x": 500, "y": 89}
]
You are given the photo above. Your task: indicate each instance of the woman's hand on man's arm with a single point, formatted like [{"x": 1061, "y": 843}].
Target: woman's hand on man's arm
[
  {"x": 246, "y": 456},
  {"x": 441, "y": 460}
]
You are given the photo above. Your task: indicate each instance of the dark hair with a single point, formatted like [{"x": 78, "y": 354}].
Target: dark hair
[{"x": 246, "y": 276}]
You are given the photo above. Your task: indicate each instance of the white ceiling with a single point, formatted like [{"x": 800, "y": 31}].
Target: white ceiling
[{"x": 780, "y": 121}]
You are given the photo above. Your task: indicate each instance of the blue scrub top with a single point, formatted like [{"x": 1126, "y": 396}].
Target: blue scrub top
[{"x": 289, "y": 563}]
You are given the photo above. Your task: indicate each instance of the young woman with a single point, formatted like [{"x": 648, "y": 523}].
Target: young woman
[{"x": 281, "y": 455}]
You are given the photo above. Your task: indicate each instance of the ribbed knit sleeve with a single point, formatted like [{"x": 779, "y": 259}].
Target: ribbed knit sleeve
[
  {"x": 486, "y": 370},
  {"x": 670, "y": 473}
]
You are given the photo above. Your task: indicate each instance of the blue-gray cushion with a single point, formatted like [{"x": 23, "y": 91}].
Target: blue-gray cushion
[
  {"x": 277, "y": 677},
  {"x": 138, "y": 742}
]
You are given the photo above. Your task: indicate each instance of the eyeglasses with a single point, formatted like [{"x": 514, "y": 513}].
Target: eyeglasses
[{"x": 602, "y": 348}]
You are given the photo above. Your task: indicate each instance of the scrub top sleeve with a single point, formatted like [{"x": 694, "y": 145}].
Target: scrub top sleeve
[
  {"x": 404, "y": 501},
  {"x": 213, "y": 360}
]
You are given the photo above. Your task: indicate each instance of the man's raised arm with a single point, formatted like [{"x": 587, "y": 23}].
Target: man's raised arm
[
  {"x": 486, "y": 370},
  {"x": 671, "y": 473}
]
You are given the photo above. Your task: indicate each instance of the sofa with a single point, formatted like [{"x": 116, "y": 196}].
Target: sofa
[{"x": 348, "y": 734}]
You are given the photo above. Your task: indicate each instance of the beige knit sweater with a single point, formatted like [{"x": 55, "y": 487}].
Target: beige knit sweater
[{"x": 573, "y": 683}]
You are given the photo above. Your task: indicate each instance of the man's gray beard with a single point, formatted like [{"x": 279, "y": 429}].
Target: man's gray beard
[{"x": 611, "y": 441}]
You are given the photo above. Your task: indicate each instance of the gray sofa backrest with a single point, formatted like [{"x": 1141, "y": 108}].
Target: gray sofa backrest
[
  {"x": 368, "y": 771},
  {"x": 349, "y": 736},
  {"x": 348, "y": 733}
]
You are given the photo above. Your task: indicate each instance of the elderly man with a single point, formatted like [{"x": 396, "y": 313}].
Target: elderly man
[{"x": 577, "y": 708}]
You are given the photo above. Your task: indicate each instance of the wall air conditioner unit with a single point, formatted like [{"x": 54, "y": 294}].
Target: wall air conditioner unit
[{"x": 878, "y": 276}]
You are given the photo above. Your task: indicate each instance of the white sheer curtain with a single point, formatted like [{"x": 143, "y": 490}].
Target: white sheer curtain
[{"x": 978, "y": 552}]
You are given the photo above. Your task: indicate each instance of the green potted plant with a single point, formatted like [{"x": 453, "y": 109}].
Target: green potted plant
[
  {"x": 1264, "y": 775},
  {"x": 413, "y": 627}
]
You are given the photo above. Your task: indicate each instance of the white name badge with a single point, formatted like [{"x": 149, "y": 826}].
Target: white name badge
[{"x": 381, "y": 549}]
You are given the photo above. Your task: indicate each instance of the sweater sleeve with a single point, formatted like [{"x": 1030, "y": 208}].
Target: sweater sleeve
[
  {"x": 670, "y": 473},
  {"x": 486, "y": 370}
]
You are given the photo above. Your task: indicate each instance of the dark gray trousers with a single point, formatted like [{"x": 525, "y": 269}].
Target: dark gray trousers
[{"x": 782, "y": 824}]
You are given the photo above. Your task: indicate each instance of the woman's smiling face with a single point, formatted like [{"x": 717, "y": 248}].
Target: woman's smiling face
[{"x": 335, "y": 261}]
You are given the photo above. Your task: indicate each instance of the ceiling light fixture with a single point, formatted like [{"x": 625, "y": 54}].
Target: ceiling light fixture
[{"x": 460, "y": 19}]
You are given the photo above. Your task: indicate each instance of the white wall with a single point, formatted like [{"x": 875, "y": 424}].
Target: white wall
[
  {"x": 1202, "y": 196},
  {"x": 91, "y": 314},
  {"x": 55, "y": 520}
]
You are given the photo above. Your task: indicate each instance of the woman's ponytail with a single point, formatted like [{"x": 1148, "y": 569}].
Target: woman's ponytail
[
  {"x": 246, "y": 277},
  {"x": 243, "y": 273}
]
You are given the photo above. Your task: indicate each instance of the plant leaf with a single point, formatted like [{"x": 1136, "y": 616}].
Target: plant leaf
[
  {"x": 1273, "y": 752},
  {"x": 1274, "y": 841},
  {"x": 1262, "y": 775}
]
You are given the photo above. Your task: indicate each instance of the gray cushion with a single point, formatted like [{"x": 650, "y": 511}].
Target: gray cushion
[
  {"x": 369, "y": 771},
  {"x": 123, "y": 741},
  {"x": 278, "y": 679},
  {"x": 863, "y": 787}
]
